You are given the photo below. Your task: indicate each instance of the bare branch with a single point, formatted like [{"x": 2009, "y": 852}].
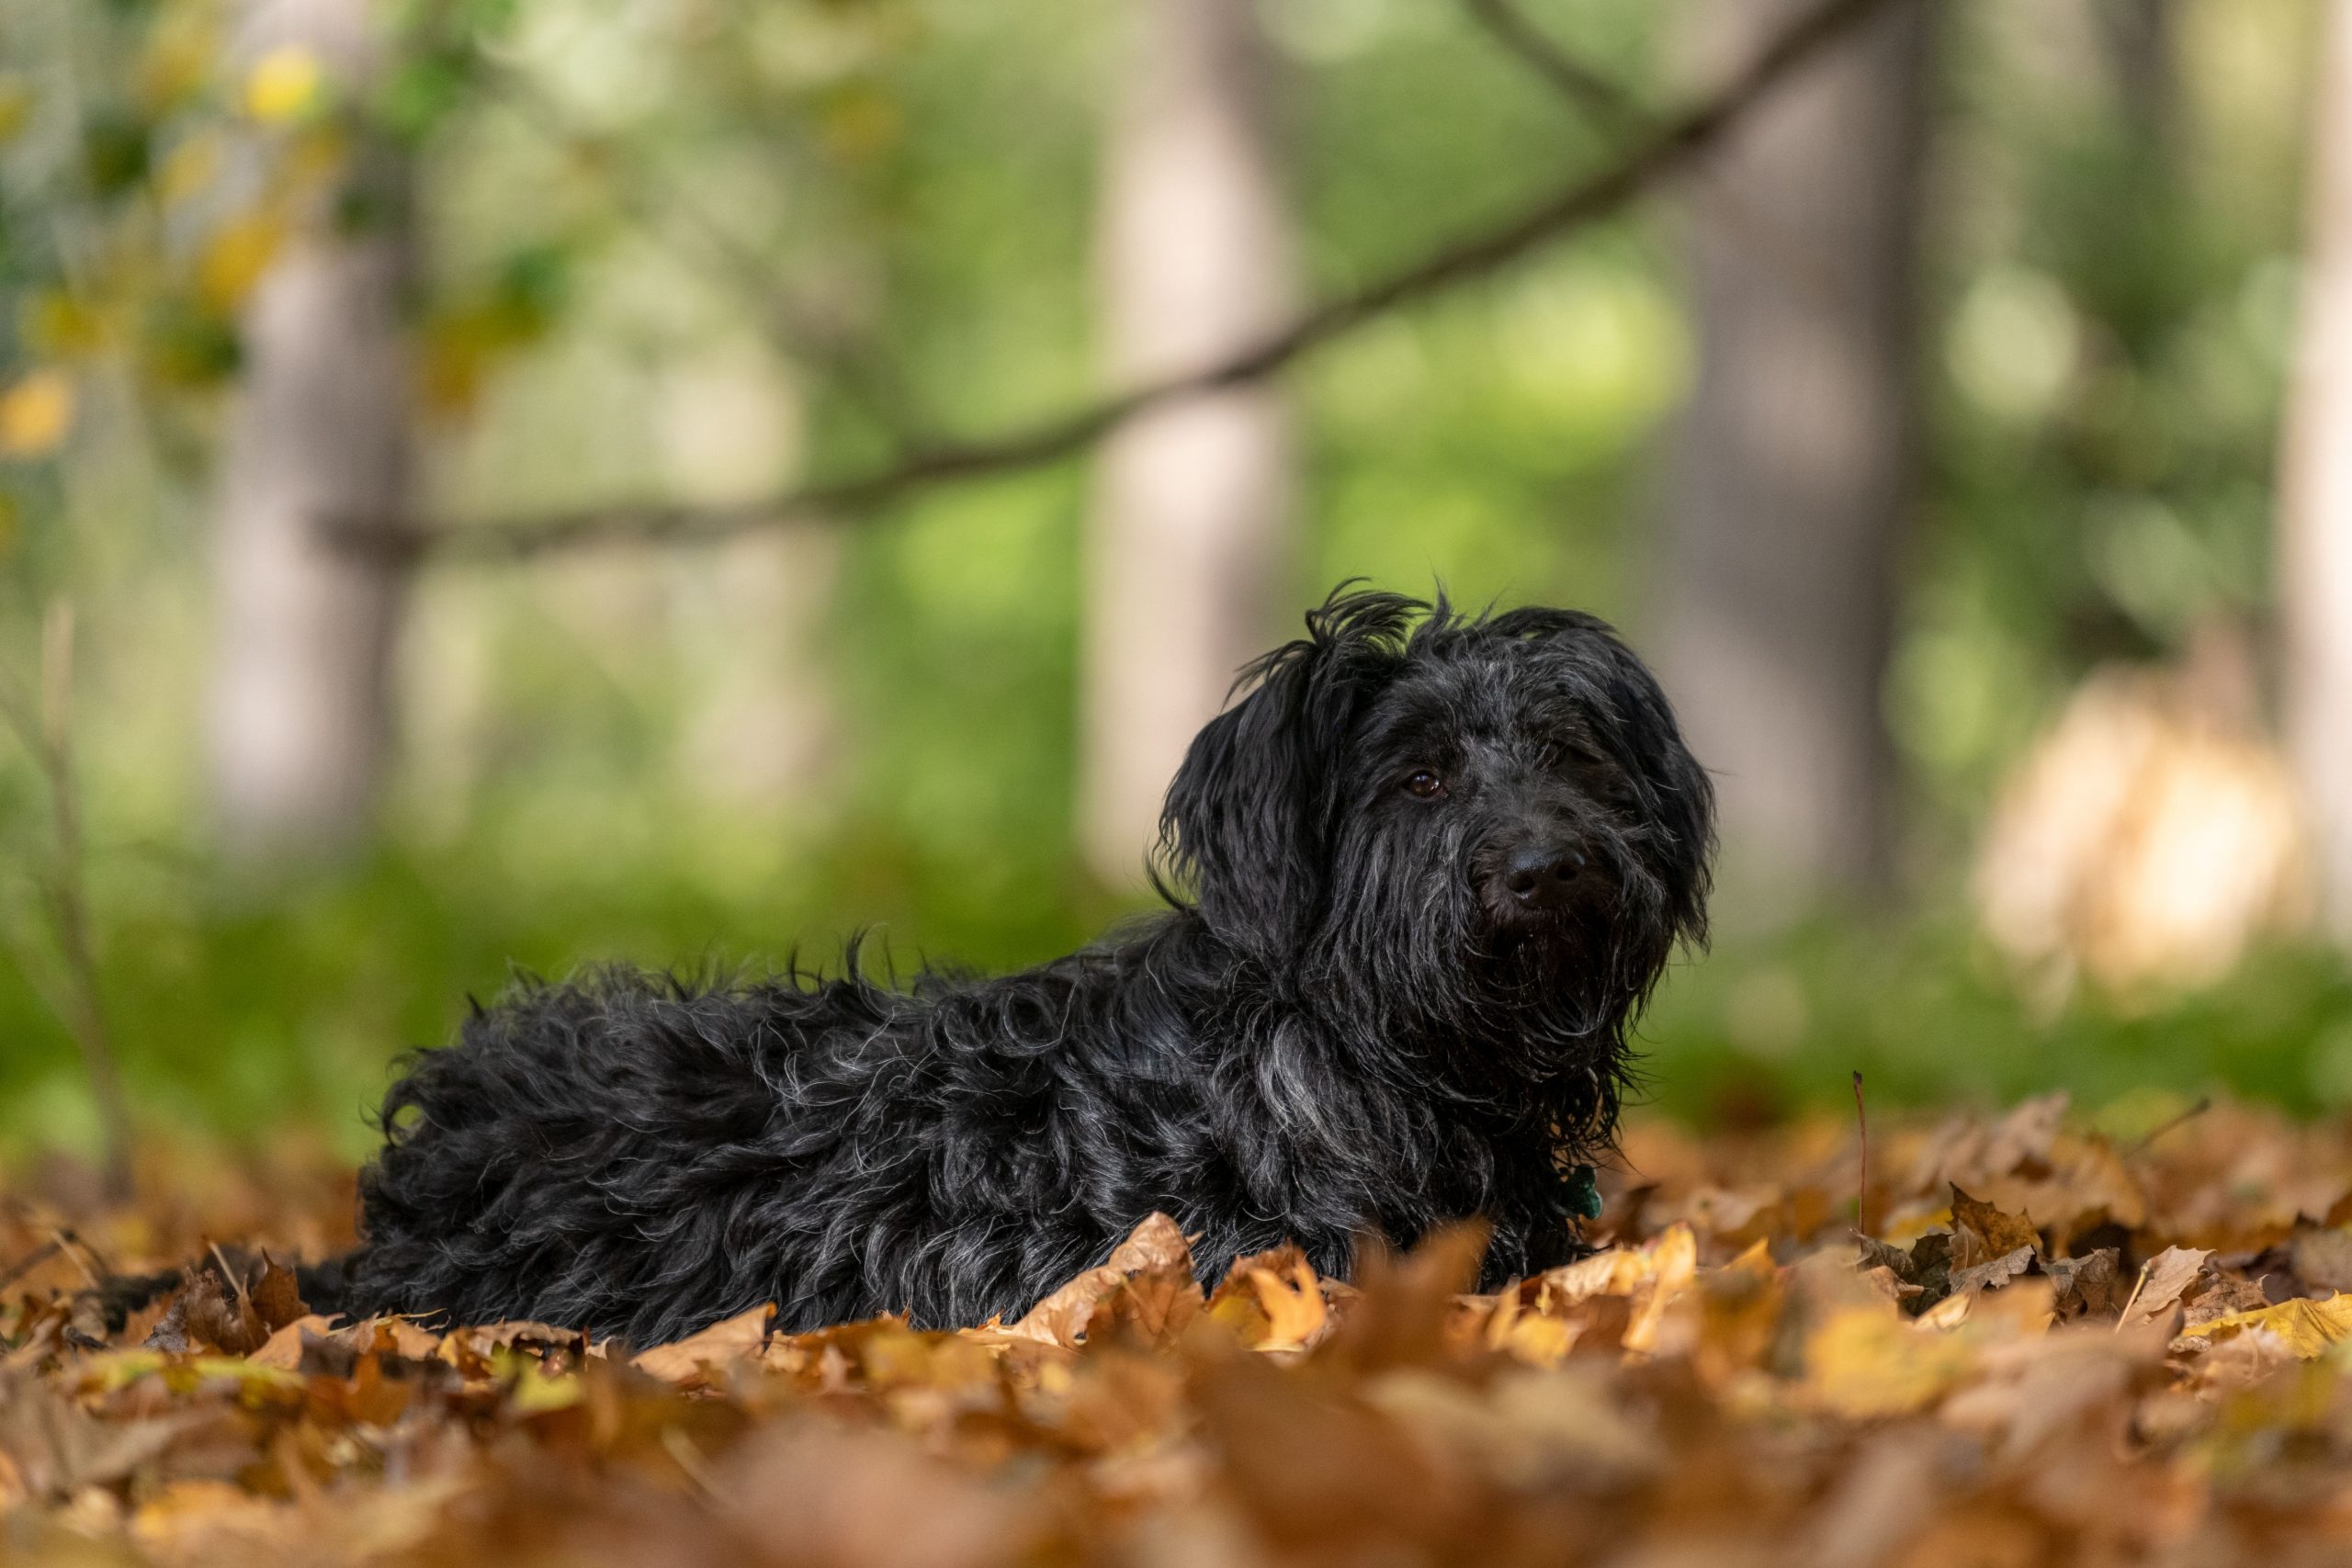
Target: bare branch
[
  {"x": 1592, "y": 94},
  {"x": 1589, "y": 89},
  {"x": 1662, "y": 151}
]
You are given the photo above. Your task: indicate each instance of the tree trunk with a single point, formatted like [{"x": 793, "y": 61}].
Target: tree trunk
[
  {"x": 1188, "y": 542},
  {"x": 2314, "y": 543},
  {"x": 1796, "y": 465},
  {"x": 301, "y": 699},
  {"x": 2139, "y": 39}
]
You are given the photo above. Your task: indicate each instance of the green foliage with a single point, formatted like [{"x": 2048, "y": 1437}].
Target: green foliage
[{"x": 612, "y": 198}]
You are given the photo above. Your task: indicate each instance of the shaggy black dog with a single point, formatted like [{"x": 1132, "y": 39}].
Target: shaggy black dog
[{"x": 1437, "y": 864}]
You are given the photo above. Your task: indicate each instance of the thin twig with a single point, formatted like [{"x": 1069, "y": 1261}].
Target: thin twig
[
  {"x": 31, "y": 1261},
  {"x": 1664, "y": 150},
  {"x": 2191, "y": 1115},
  {"x": 2132, "y": 1300},
  {"x": 72, "y": 1245},
  {"x": 48, "y": 736}
]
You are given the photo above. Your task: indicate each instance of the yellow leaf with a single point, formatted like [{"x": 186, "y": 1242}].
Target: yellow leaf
[
  {"x": 35, "y": 414},
  {"x": 1293, "y": 1306},
  {"x": 1674, "y": 1259},
  {"x": 59, "y": 326},
  {"x": 15, "y": 108},
  {"x": 1540, "y": 1341},
  {"x": 536, "y": 1393},
  {"x": 283, "y": 84},
  {"x": 1653, "y": 1275},
  {"x": 240, "y": 252},
  {"x": 1865, "y": 1361},
  {"x": 2307, "y": 1327},
  {"x": 182, "y": 46}
]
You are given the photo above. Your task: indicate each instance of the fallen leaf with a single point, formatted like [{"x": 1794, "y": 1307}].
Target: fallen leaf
[
  {"x": 1982, "y": 1232},
  {"x": 2218, "y": 1294},
  {"x": 1155, "y": 1254},
  {"x": 2322, "y": 1256},
  {"x": 1293, "y": 1302},
  {"x": 284, "y": 1347},
  {"x": 738, "y": 1339},
  {"x": 2161, "y": 1283},
  {"x": 1993, "y": 1273},
  {"x": 277, "y": 1297},
  {"x": 2090, "y": 1286},
  {"x": 2306, "y": 1328}
]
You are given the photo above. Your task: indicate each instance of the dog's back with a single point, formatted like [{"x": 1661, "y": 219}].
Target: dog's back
[{"x": 641, "y": 1156}]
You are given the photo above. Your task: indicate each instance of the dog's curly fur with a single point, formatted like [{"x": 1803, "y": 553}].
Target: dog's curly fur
[{"x": 1353, "y": 1024}]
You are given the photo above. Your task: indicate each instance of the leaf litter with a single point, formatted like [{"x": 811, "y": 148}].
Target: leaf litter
[{"x": 2057, "y": 1349}]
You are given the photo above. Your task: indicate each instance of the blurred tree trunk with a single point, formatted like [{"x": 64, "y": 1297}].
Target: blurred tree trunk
[
  {"x": 2314, "y": 544},
  {"x": 2139, "y": 39},
  {"x": 1796, "y": 465},
  {"x": 1188, "y": 542},
  {"x": 301, "y": 699}
]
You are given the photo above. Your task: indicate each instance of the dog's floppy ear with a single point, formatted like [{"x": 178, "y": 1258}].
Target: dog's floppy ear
[{"x": 1248, "y": 820}]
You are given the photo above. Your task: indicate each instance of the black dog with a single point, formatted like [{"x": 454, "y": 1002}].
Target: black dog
[{"x": 1437, "y": 863}]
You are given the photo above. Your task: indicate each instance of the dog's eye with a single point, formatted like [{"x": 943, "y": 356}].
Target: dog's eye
[{"x": 1423, "y": 784}]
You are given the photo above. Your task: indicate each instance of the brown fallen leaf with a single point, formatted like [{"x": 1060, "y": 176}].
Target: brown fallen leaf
[
  {"x": 276, "y": 1295},
  {"x": 202, "y": 1317},
  {"x": 728, "y": 1341},
  {"x": 1993, "y": 1273},
  {"x": 1155, "y": 1255},
  {"x": 2163, "y": 1279},
  {"x": 56, "y": 1448},
  {"x": 2322, "y": 1256},
  {"x": 2090, "y": 1286},
  {"x": 2219, "y": 1293},
  {"x": 284, "y": 1349},
  {"x": 1982, "y": 1232}
]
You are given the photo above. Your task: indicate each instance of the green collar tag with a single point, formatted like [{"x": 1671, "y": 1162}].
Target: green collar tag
[{"x": 1584, "y": 1193}]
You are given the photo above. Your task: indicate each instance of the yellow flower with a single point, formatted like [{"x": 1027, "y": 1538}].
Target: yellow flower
[
  {"x": 35, "y": 414},
  {"x": 283, "y": 84}
]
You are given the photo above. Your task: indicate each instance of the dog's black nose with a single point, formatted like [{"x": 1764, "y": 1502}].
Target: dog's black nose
[{"x": 1542, "y": 876}]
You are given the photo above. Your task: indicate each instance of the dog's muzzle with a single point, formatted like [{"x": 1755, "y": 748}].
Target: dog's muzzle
[
  {"x": 1544, "y": 876},
  {"x": 1552, "y": 883}
]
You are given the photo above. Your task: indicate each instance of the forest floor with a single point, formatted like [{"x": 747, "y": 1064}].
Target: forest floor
[{"x": 2050, "y": 1348}]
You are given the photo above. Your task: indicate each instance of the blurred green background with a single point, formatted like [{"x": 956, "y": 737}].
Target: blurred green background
[{"x": 2107, "y": 316}]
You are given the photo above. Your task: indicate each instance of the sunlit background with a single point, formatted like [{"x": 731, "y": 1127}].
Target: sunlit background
[{"x": 1927, "y": 437}]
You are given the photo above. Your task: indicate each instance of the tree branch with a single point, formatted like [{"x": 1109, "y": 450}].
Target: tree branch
[
  {"x": 1657, "y": 153},
  {"x": 1590, "y": 90},
  {"x": 1593, "y": 94}
]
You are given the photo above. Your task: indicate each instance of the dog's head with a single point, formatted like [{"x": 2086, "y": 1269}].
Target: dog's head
[{"x": 1488, "y": 826}]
